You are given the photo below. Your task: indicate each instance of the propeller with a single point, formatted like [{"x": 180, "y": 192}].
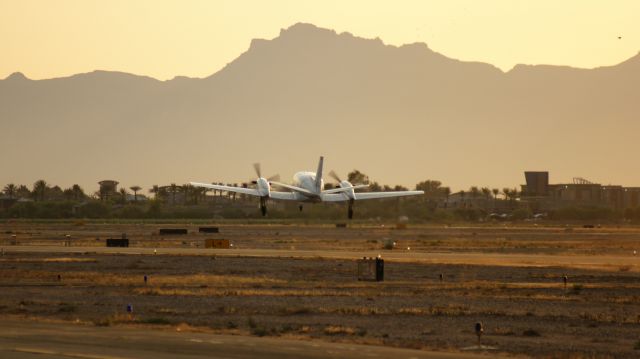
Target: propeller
[
  {"x": 335, "y": 176},
  {"x": 258, "y": 169}
]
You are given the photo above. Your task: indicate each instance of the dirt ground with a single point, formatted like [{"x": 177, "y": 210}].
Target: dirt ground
[{"x": 525, "y": 310}]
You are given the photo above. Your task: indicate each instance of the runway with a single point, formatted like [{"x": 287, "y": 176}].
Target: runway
[
  {"x": 604, "y": 262},
  {"x": 25, "y": 339}
]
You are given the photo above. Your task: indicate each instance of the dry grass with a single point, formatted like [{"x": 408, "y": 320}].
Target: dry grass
[
  {"x": 339, "y": 330},
  {"x": 50, "y": 260}
]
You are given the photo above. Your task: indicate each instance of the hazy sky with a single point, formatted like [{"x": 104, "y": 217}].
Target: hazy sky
[{"x": 162, "y": 39}]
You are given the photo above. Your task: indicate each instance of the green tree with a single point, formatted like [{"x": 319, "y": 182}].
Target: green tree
[
  {"x": 356, "y": 177},
  {"x": 23, "y": 192},
  {"x": 11, "y": 190},
  {"x": 39, "y": 190},
  {"x": 78, "y": 192},
  {"x": 432, "y": 189}
]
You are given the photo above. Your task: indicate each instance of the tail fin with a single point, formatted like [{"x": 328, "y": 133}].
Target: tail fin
[{"x": 319, "y": 175}]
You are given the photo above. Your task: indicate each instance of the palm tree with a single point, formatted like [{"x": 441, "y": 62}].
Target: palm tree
[
  {"x": 507, "y": 193},
  {"x": 135, "y": 190},
  {"x": 23, "y": 192},
  {"x": 123, "y": 193},
  {"x": 78, "y": 192},
  {"x": 154, "y": 189},
  {"x": 10, "y": 190},
  {"x": 39, "y": 189},
  {"x": 486, "y": 192},
  {"x": 495, "y": 192}
]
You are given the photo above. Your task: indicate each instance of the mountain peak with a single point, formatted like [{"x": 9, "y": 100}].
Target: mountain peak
[
  {"x": 303, "y": 28},
  {"x": 17, "y": 76}
]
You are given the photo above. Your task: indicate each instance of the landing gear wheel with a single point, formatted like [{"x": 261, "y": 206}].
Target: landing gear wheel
[
  {"x": 263, "y": 206},
  {"x": 300, "y": 207},
  {"x": 350, "y": 211}
]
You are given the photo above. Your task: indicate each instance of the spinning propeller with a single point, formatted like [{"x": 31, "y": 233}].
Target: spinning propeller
[{"x": 263, "y": 186}]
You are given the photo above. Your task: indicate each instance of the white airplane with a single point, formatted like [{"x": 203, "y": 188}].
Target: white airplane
[{"x": 307, "y": 187}]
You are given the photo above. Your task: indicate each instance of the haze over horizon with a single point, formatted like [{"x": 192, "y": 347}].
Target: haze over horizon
[
  {"x": 399, "y": 113},
  {"x": 162, "y": 40}
]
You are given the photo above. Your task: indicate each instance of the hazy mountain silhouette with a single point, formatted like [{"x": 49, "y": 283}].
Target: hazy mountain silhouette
[{"x": 399, "y": 114}]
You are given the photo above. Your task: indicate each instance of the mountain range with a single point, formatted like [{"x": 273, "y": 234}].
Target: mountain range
[{"x": 399, "y": 114}]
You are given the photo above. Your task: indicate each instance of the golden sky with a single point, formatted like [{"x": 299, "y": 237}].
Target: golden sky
[{"x": 162, "y": 39}]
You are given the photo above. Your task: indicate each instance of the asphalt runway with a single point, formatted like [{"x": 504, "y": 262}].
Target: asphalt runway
[
  {"x": 605, "y": 262},
  {"x": 25, "y": 339}
]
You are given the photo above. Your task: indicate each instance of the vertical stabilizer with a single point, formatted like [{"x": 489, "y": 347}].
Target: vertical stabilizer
[{"x": 319, "y": 175}]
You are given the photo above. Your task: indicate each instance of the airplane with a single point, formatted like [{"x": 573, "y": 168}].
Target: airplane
[{"x": 307, "y": 187}]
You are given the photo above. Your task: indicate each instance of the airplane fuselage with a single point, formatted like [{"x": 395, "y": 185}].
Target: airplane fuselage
[{"x": 307, "y": 180}]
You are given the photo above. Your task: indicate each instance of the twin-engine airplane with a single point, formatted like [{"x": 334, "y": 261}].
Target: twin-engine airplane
[{"x": 307, "y": 187}]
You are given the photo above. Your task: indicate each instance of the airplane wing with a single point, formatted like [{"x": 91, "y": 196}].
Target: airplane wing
[
  {"x": 341, "y": 197},
  {"x": 249, "y": 191},
  {"x": 374, "y": 195}
]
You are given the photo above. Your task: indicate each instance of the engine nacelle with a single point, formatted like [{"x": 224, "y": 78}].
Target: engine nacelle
[
  {"x": 263, "y": 187},
  {"x": 351, "y": 193}
]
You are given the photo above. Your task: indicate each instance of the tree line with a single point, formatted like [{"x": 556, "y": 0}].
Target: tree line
[{"x": 43, "y": 200}]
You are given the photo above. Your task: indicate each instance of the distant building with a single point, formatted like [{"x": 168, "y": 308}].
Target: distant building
[
  {"x": 540, "y": 195},
  {"x": 537, "y": 184},
  {"x": 108, "y": 189}
]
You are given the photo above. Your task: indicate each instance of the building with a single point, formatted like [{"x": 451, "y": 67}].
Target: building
[
  {"x": 108, "y": 189},
  {"x": 540, "y": 195}
]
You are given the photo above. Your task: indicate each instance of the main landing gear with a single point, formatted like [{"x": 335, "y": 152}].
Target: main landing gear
[
  {"x": 350, "y": 210},
  {"x": 263, "y": 206}
]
